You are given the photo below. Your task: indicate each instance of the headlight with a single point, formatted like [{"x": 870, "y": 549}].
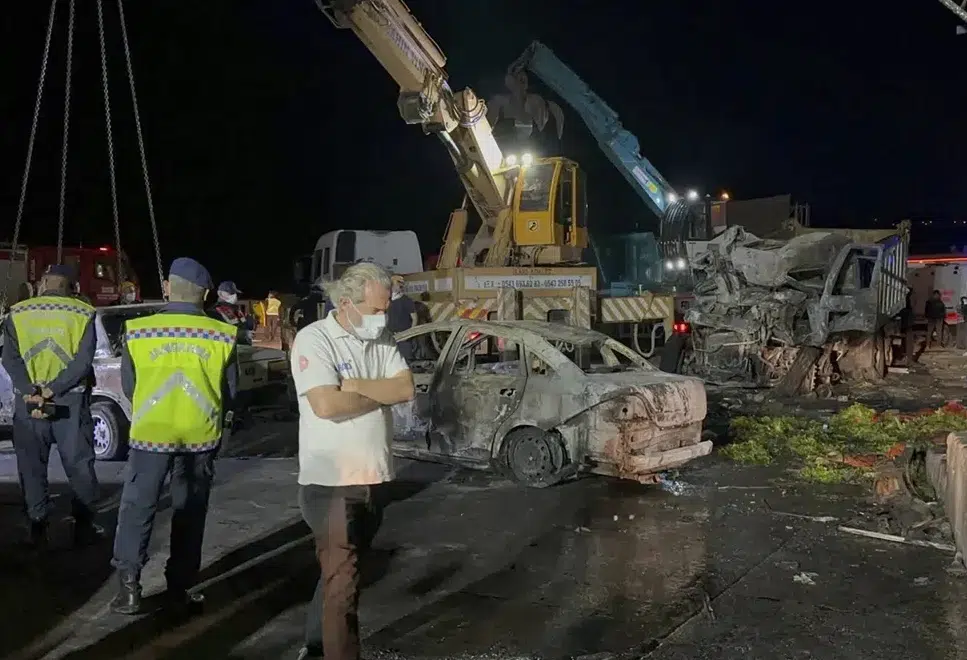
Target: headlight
[
  {"x": 669, "y": 265},
  {"x": 511, "y": 160},
  {"x": 526, "y": 160},
  {"x": 692, "y": 195},
  {"x": 672, "y": 198},
  {"x": 680, "y": 264}
]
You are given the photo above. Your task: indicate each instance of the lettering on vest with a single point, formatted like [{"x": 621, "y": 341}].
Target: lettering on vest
[{"x": 173, "y": 347}]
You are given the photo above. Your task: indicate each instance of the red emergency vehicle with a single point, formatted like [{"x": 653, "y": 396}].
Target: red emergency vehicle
[{"x": 96, "y": 268}]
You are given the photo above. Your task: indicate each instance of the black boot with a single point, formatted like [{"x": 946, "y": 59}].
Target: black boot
[
  {"x": 180, "y": 602},
  {"x": 86, "y": 533},
  {"x": 128, "y": 600},
  {"x": 37, "y": 535}
]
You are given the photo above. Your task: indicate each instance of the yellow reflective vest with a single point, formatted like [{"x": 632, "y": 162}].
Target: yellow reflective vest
[
  {"x": 179, "y": 365},
  {"x": 49, "y": 331}
]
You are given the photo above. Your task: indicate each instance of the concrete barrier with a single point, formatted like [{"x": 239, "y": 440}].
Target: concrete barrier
[{"x": 947, "y": 471}]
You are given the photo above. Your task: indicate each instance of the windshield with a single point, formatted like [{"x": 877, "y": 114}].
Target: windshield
[
  {"x": 628, "y": 261},
  {"x": 113, "y": 325},
  {"x": 104, "y": 270},
  {"x": 535, "y": 191}
]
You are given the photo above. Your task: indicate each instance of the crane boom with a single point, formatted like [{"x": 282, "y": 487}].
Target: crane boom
[
  {"x": 958, "y": 8},
  {"x": 459, "y": 119},
  {"x": 620, "y": 146}
]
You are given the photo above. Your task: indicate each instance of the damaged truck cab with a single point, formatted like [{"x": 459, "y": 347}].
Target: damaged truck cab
[{"x": 796, "y": 313}]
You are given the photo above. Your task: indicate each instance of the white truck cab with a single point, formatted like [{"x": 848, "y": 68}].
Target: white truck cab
[{"x": 396, "y": 251}]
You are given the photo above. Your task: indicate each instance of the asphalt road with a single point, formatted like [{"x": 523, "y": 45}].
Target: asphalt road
[{"x": 470, "y": 566}]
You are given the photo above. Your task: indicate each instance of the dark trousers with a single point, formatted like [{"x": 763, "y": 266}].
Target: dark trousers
[
  {"x": 191, "y": 483},
  {"x": 344, "y": 521},
  {"x": 935, "y": 325},
  {"x": 73, "y": 433},
  {"x": 272, "y": 326}
]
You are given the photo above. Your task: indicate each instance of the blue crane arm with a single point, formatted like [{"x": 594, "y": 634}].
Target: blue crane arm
[{"x": 615, "y": 141}]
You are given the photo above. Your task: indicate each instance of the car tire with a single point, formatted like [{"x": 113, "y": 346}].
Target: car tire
[
  {"x": 110, "y": 431},
  {"x": 534, "y": 457}
]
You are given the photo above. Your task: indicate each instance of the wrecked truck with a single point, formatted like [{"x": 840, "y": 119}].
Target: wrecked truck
[
  {"x": 509, "y": 396},
  {"x": 798, "y": 313}
]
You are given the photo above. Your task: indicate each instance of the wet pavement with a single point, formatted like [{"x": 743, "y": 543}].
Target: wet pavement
[{"x": 745, "y": 563}]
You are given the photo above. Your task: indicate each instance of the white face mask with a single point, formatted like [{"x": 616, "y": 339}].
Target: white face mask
[
  {"x": 397, "y": 294},
  {"x": 230, "y": 298},
  {"x": 372, "y": 325},
  {"x": 127, "y": 297}
]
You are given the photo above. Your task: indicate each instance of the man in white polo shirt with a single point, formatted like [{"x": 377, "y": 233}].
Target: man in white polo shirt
[{"x": 347, "y": 372}]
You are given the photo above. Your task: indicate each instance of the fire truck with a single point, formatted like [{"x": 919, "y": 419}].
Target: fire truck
[{"x": 99, "y": 270}]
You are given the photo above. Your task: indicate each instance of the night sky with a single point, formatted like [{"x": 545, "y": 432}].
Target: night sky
[{"x": 266, "y": 126}]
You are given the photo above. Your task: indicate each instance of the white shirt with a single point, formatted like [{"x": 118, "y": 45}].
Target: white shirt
[{"x": 350, "y": 452}]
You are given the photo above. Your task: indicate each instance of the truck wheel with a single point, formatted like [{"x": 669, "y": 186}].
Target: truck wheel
[
  {"x": 792, "y": 383},
  {"x": 110, "y": 431}
]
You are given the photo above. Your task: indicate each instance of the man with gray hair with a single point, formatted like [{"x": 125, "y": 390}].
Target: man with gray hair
[
  {"x": 179, "y": 370},
  {"x": 347, "y": 372}
]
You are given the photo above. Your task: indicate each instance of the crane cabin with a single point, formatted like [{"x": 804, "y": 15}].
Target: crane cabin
[{"x": 550, "y": 207}]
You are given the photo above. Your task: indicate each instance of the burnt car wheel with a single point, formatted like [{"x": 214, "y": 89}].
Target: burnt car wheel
[
  {"x": 110, "y": 431},
  {"x": 535, "y": 457}
]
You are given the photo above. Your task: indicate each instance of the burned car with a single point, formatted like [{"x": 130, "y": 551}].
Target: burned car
[
  {"x": 262, "y": 371},
  {"x": 543, "y": 401}
]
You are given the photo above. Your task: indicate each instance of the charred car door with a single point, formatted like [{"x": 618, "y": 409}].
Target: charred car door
[
  {"x": 411, "y": 420},
  {"x": 474, "y": 394}
]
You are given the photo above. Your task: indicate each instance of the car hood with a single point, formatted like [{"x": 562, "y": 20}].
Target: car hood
[
  {"x": 670, "y": 399},
  {"x": 248, "y": 353}
]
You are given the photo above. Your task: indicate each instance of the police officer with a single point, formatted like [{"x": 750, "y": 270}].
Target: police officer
[
  {"x": 227, "y": 309},
  {"x": 179, "y": 370},
  {"x": 48, "y": 352}
]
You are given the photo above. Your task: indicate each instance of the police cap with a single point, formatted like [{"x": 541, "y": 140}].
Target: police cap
[
  {"x": 188, "y": 269},
  {"x": 229, "y": 287},
  {"x": 62, "y": 270}
]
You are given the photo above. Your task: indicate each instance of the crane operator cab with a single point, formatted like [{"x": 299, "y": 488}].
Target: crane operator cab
[{"x": 549, "y": 208}]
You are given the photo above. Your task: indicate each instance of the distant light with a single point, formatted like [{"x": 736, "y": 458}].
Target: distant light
[
  {"x": 692, "y": 195},
  {"x": 672, "y": 198},
  {"x": 511, "y": 160},
  {"x": 526, "y": 160},
  {"x": 725, "y": 197},
  {"x": 680, "y": 264},
  {"x": 680, "y": 328}
]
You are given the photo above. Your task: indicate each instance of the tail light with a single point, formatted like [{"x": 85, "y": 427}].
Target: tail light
[{"x": 681, "y": 328}]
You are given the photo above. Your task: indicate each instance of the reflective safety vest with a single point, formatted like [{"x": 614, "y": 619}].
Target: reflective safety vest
[
  {"x": 179, "y": 365},
  {"x": 49, "y": 331}
]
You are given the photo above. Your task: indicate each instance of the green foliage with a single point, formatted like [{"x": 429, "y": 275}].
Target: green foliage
[{"x": 820, "y": 448}]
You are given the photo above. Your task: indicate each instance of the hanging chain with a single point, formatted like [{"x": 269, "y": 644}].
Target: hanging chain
[
  {"x": 30, "y": 157},
  {"x": 144, "y": 158},
  {"x": 110, "y": 140},
  {"x": 67, "y": 127}
]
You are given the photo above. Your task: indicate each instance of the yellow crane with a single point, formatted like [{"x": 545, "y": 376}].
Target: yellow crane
[{"x": 532, "y": 210}]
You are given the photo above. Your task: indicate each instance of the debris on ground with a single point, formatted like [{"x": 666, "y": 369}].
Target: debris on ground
[
  {"x": 673, "y": 486},
  {"x": 851, "y": 445},
  {"x": 946, "y": 547},
  {"x": 805, "y": 578}
]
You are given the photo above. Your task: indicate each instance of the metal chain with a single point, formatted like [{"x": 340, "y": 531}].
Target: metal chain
[
  {"x": 110, "y": 139},
  {"x": 67, "y": 126},
  {"x": 30, "y": 156},
  {"x": 144, "y": 159}
]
